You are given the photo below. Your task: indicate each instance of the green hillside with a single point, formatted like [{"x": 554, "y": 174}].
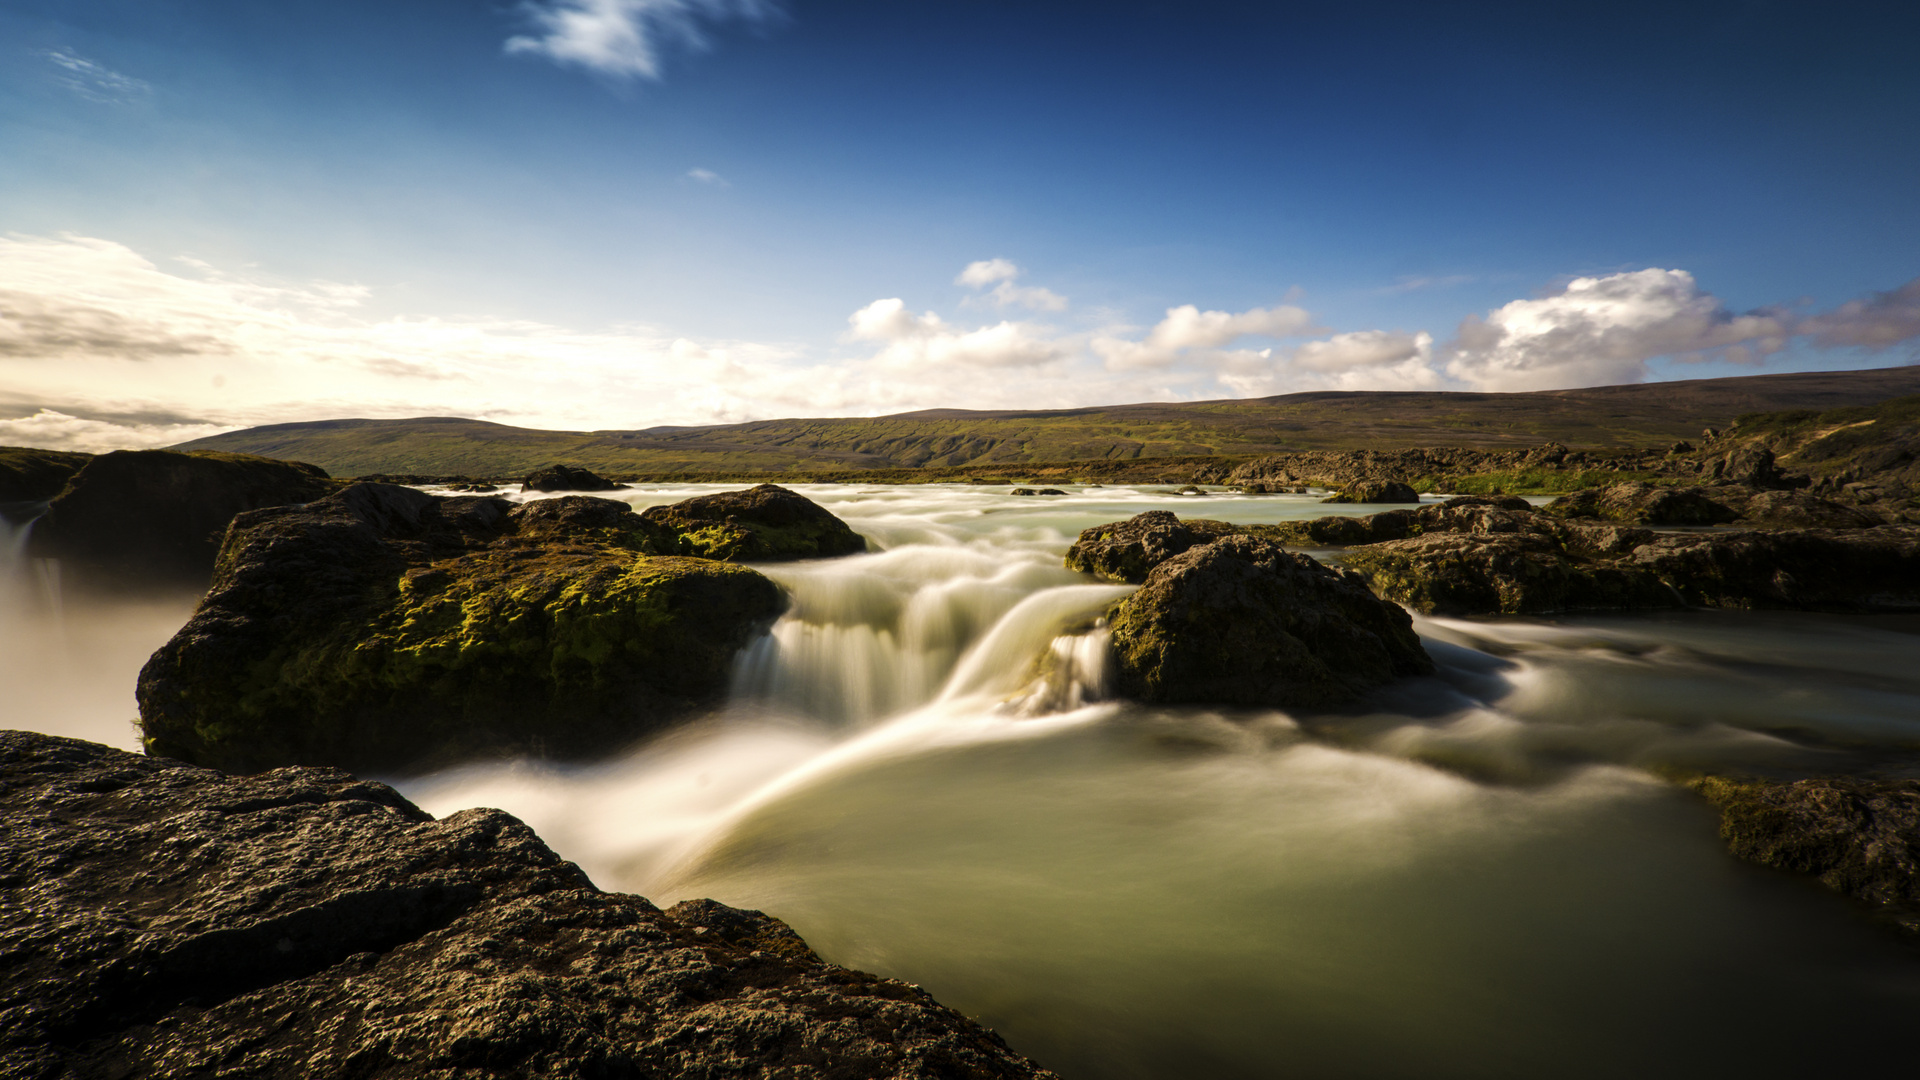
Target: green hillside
[{"x": 1647, "y": 414}]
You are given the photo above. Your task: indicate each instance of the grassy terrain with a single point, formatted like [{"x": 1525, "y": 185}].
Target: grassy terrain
[
  {"x": 1637, "y": 415},
  {"x": 27, "y": 474}
]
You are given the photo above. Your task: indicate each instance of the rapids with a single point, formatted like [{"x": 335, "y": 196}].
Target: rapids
[{"x": 1478, "y": 874}]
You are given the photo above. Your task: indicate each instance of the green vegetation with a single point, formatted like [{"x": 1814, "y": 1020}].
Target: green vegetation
[
  {"x": 1011, "y": 444},
  {"x": 28, "y": 475}
]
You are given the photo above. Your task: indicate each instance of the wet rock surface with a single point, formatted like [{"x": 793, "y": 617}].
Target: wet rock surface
[
  {"x": 385, "y": 629},
  {"x": 567, "y": 478},
  {"x": 1129, "y": 550},
  {"x": 161, "y": 920},
  {"x": 1857, "y": 836},
  {"x": 1375, "y": 491},
  {"x": 1242, "y": 621},
  {"x": 766, "y": 523},
  {"x": 141, "y": 519}
]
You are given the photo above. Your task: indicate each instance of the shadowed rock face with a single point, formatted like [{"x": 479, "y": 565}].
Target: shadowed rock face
[
  {"x": 1858, "y": 836},
  {"x": 1241, "y": 621},
  {"x": 163, "y": 920},
  {"x": 567, "y": 478},
  {"x": 1376, "y": 491},
  {"x": 767, "y": 523},
  {"x": 139, "y": 519},
  {"x": 385, "y": 629},
  {"x": 1649, "y": 504}
]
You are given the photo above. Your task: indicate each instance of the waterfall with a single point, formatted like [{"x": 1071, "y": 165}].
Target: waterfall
[{"x": 872, "y": 636}]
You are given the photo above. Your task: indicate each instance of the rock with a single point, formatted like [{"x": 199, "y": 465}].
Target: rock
[
  {"x": 1645, "y": 504},
  {"x": 1051, "y": 491},
  {"x": 1802, "y": 569},
  {"x": 1023, "y": 491},
  {"x": 1857, "y": 836},
  {"x": 29, "y": 475},
  {"x": 1681, "y": 447},
  {"x": 759, "y": 524},
  {"x": 146, "y": 519},
  {"x": 567, "y": 478},
  {"x": 1129, "y": 550},
  {"x": 1242, "y": 621},
  {"x": 1376, "y": 491},
  {"x": 165, "y": 920},
  {"x": 383, "y": 629},
  {"x": 1190, "y": 490},
  {"x": 474, "y": 487},
  {"x": 1752, "y": 466},
  {"x": 1512, "y": 573}
]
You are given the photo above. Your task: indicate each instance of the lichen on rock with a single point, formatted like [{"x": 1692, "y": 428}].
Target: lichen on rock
[
  {"x": 384, "y": 629},
  {"x": 766, "y": 523}
]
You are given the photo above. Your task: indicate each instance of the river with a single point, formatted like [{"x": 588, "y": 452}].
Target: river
[{"x": 1478, "y": 874}]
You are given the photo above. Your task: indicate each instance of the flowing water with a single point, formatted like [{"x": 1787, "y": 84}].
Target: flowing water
[{"x": 1477, "y": 874}]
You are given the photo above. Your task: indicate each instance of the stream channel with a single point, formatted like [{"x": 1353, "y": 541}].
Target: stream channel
[{"x": 1476, "y": 874}]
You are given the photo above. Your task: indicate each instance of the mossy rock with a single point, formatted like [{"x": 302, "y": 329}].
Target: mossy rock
[
  {"x": 1242, "y": 621},
  {"x": 767, "y": 523},
  {"x": 1448, "y": 573},
  {"x": 567, "y": 478},
  {"x": 382, "y": 629},
  {"x": 1375, "y": 491},
  {"x": 1127, "y": 551}
]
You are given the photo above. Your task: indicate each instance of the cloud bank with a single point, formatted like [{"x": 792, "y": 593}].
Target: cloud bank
[
  {"x": 626, "y": 39},
  {"x": 102, "y": 348}
]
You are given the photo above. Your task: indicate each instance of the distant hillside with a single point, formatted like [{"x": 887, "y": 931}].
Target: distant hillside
[{"x": 1644, "y": 414}]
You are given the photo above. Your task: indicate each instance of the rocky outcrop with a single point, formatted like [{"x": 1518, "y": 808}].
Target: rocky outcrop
[
  {"x": 1508, "y": 573},
  {"x": 1858, "y": 836},
  {"x": 140, "y": 519},
  {"x": 1755, "y": 507},
  {"x": 32, "y": 475},
  {"x": 1375, "y": 491},
  {"x": 1242, "y": 621},
  {"x": 1129, "y": 550},
  {"x": 162, "y": 920},
  {"x": 1805, "y": 569},
  {"x": 382, "y": 629},
  {"x": 1036, "y": 491},
  {"x": 567, "y": 478},
  {"x": 1343, "y": 469},
  {"x": 767, "y": 523}
]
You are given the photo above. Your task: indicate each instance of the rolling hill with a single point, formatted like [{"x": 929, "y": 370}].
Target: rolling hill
[{"x": 1636, "y": 415}]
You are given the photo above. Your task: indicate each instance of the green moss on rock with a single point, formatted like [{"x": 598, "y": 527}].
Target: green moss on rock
[{"x": 766, "y": 523}]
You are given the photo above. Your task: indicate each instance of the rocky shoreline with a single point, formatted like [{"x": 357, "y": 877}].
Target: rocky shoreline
[{"x": 164, "y": 920}]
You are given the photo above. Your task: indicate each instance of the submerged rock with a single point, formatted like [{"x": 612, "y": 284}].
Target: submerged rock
[
  {"x": 567, "y": 478},
  {"x": 139, "y": 519},
  {"x": 1857, "y": 836},
  {"x": 767, "y": 523},
  {"x": 1375, "y": 491},
  {"x": 384, "y": 629},
  {"x": 1242, "y": 621},
  {"x": 165, "y": 920},
  {"x": 1129, "y": 550}
]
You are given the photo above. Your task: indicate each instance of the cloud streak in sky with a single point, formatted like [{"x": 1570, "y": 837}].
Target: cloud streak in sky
[
  {"x": 95, "y": 81},
  {"x": 101, "y": 348},
  {"x": 626, "y": 39}
]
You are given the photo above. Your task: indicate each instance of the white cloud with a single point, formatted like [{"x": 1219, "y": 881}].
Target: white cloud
[
  {"x": 1878, "y": 321},
  {"x": 1602, "y": 330},
  {"x": 708, "y": 177},
  {"x": 1187, "y": 333},
  {"x": 624, "y": 39},
  {"x": 978, "y": 275},
  {"x": 919, "y": 341},
  {"x": 1363, "y": 349},
  {"x": 54, "y": 430},
  {"x": 95, "y": 81}
]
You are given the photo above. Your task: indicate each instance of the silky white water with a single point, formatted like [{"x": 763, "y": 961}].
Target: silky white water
[{"x": 1477, "y": 874}]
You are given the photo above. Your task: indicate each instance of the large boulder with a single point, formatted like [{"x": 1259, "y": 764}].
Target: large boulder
[
  {"x": 165, "y": 920},
  {"x": 1858, "y": 836},
  {"x": 384, "y": 629},
  {"x": 1375, "y": 491},
  {"x": 1129, "y": 550},
  {"x": 138, "y": 519},
  {"x": 1508, "y": 573},
  {"x": 767, "y": 523},
  {"x": 1242, "y": 621},
  {"x": 1645, "y": 504},
  {"x": 567, "y": 478}
]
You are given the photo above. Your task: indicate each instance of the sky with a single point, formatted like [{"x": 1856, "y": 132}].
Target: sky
[{"x": 615, "y": 214}]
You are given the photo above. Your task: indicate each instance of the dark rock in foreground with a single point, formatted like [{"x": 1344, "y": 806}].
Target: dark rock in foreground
[
  {"x": 767, "y": 523},
  {"x": 567, "y": 478},
  {"x": 1857, "y": 836},
  {"x": 384, "y": 629},
  {"x": 1375, "y": 491},
  {"x": 162, "y": 920},
  {"x": 1650, "y": 504},
  {"x": 1241, "y": 621},
  {"x": 137, "y": 519}
]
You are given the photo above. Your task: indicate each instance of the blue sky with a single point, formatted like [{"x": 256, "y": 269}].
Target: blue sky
[{"x": 615, "y": 213}]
